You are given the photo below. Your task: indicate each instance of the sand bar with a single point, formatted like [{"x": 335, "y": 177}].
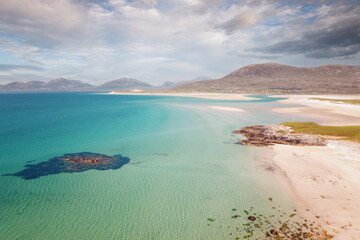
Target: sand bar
[
  {"x": 325, "y": 113},
  {"x": 215, "y": 96},
  {"x": 231, "y": 109}
]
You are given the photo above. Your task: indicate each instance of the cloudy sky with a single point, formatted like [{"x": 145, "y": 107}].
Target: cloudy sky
[{"x": 170, "y": 40}]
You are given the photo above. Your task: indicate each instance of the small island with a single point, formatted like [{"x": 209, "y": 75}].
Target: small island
[{"x": 72, "y": 163}]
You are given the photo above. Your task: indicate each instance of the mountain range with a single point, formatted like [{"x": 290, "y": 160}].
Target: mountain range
[
  {"x": 265, "y": 78},
  {"x": 62, "y": 84},
  {"x": 274, "y": 78}
]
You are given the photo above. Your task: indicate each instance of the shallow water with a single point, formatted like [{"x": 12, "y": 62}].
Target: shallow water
[{"x": 184, "y": 166}]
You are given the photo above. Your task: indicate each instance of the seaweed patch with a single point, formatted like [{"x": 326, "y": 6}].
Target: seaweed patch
[
  {"x": 71, "y": 163},
  {"x": 250, "y": 224}
]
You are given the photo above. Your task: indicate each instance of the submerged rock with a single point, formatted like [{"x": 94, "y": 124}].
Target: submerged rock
[
  {"x": 271, "y": 226},
  {"x": 71, "y": 163}
]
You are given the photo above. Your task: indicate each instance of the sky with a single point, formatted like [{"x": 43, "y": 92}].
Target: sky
[{"x": 170, "y": 40}]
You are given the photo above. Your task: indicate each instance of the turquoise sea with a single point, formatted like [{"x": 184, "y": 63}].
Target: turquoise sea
[{"x": 184, "y": 167}]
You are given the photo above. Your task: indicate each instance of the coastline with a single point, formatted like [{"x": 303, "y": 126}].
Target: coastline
[
  {"x": 325, "y": 113},
  {"x": 214, "y": 96},
  {"x": 322, "y": 180}
]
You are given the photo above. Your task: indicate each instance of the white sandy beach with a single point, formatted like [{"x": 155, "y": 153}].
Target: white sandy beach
[
  {"x": 324, "y": 181},
  {"x": 325, "y": 112},
  {"x": 215, "y": 96}
]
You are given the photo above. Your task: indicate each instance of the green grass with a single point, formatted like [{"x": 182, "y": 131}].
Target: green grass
[
  {"x": 338, "y": 101},
  {"x": 351, "y": 133}
]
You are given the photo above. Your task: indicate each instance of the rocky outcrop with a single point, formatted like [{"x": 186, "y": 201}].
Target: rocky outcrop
[
  {"x": 88, "y": 158},
  {"x": 72, "y": 163},
  {"x": 277, "y": 134}
]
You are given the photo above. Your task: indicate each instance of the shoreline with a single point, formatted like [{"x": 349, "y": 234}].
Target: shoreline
[
  {"x": 323, "y": 182},
  {"x": 325, "y": 113},
  {"x": 214, "y": 96}
]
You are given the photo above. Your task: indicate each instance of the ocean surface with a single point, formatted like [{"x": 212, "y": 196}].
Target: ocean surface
[{"x": 184, "y": 168}]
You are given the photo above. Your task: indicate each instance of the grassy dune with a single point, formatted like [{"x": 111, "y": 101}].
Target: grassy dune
[
  {"x": 338, "y": 101},
  {"x": 351, "y": 133}
]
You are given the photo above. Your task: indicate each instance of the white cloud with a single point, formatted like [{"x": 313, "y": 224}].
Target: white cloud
[
  {"x": 155, "y": 40},
  {"x": 44, "y": 23}
]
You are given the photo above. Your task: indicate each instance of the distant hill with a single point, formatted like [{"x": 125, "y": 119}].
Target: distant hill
[
  {"x": 124, "y": 84},
  {"x": 35, "y": 84},
  {"x": 14, "y": 86},
  {"x": 62, "y": 84},
  {"x": 167, "y": 84},
  {"x": 279, "y": 79},
  {"x": 265, "y": 78}
]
